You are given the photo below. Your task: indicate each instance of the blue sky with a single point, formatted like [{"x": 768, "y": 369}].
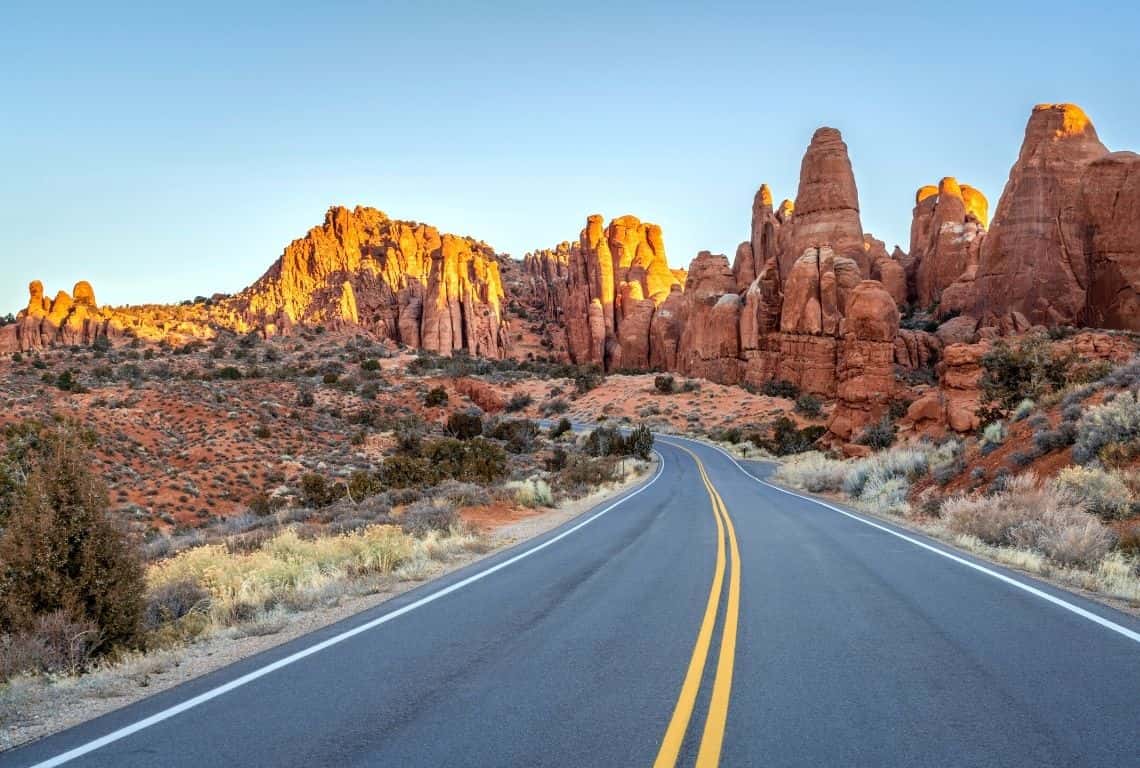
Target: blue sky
[{"x": 167, "y": 152}]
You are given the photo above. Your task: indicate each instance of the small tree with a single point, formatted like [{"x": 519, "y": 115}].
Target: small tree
[
  {"x": 436, "y": 396},
  {"x": 61, "y": 550},
  {"x": 664, "y": 384},
  {"x": 640, "y": 442},
  {"x": 464, "y": 425}
]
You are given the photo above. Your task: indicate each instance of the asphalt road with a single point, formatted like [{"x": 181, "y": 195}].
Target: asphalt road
[{"x": 688, "y": 624}]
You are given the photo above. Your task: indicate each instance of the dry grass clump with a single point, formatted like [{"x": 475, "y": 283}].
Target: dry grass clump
[
  {"x": 1109, "y": 430},
  {"x": 532, "y": 492},
  {"x": 880, "y": 482},
  {"x": 1041, "y": 517},
  {"x": 1103, "y": 491},
  {"x": 240, "y": 588}
]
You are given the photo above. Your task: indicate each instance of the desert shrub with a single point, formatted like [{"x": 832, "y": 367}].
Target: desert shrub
[
  {"x": 429, "y": 515},
  {"x": 1124, "y": 376},
  {"x": 533, "y": 492},
  {"x": 664, "y": 384},
  {"x": 1115, "y": 423},
  {"x": 608, "y": 441},
  {"x": 262, "y": 432},
  {"x": 518, "y": 402},
  {"x": 408, "y": 431},
  {"x": 639, "y": 442},
  {"x": 1012, "y": 374},
  {"x": 904, "y": 462},
  {"x": 691, "y": 385},
  {"x": 317, "y": 491},
  {"x": 993, "y": 435},
  {"x": 583, "y": 473},
  {"x": 886, "y": 494},
  {"x": 464, "y": 425},
  {"x": 372, "y": 365},
  {"x": 362, "y": 484},
  {"x": 993, "y": 518},
  {"x": 1040, "y": 517},
  {"x": 1023, "y": 409},
  {"x": 879, "y": 435},
  {"x": 1070, "y": 537},
  {"x": 556, "y": 460},
  {"x": 330, "y": 378},
  {"x": 56, "y": 643},
  {"x": 228, "y": 373},
  {"x": 1104, "y": 493},
  {"x": 68, "y": 381},
  {"x": 780, "y": 388},
  {"x": 604, "y": 441},
  {"x": 462, "y": 494},
  {"x": 1129, "y": 541},
  {"x": 551, "y": 407},
  {"x": 305, "y": 398},
  {"x": 784, "y": 438},
  {"x": 1047, "y": 440},
  {"x": 945, "y": 472},
  {"x": 518, "y": 434},
  {"x": 588, "y": 380},
  {"x": 728, "y": 435},
  {"x": 477, "y": 460},
  {"x": 809, "y": 405},
  {"x": 1024, "y": 458},
  {"x": 813, "y": 471},
  {"x": 172, "y": 600},
  {"x": 61, "y": 550},
  {"x": 407, "y": 472},
  {"x": 435, "y": 397},
  {"x": 562, "y": 427}
]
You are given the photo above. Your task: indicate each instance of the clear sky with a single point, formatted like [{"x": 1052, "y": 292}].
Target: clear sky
[{"x": 175, "y": 150}]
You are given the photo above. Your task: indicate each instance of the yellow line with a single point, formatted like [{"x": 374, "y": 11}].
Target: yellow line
[
  {"x": 713, "y": 737},
  {"x": 679, "y": 723}
]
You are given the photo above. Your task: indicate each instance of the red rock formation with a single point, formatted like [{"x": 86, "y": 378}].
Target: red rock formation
[
  {"x": 710, "y": 334},
  {"x": 1033, "y": 259},
  {"x": 605, "y": 290},
  {"x": 866, "y": 373},
  {"x": 916, "y": 349},
  {"x": 827, "y": 206},
  {"x": 751, "y": 256},
  {"x": 1111, "y": 199},
  {"x": 399, "y": 280},
  {"x": 665, "y": 331},
  {"x": 946, "y": 236},
  {"x": 886, "y": 268}
]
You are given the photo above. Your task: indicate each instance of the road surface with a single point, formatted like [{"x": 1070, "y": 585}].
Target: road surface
[{"x": 706, "y": 618}]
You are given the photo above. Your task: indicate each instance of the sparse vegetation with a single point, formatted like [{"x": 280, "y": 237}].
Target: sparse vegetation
[{"x": 809, "y": 405}]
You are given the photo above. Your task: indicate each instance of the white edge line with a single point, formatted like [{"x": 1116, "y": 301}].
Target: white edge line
[
  {"x": 1083, "y": 613},
  {"x": 249, "y": 677}
]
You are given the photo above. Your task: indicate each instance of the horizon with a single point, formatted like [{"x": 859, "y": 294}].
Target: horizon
[{"x": 163, "y": 138}]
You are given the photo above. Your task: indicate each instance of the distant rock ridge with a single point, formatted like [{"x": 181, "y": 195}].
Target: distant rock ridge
[
  {"x": 808, "y": 297},
  {"x": 400, "y": 280}
]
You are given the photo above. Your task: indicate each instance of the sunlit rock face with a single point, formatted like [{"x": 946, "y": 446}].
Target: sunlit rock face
[
  {"x": 1033, "y": 260},
  {"x": 947, "y": 231},
  {"x": 400, "y": 280},
  {"x": 605, "y": 290}
]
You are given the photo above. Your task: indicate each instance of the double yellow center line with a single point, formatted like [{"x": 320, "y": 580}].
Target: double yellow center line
[{"x": 712, "y": 738}]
